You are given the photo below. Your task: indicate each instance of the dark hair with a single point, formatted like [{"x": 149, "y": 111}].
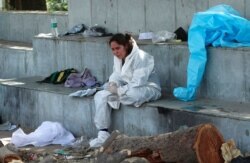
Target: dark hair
[{"x": 123, "y": 39}]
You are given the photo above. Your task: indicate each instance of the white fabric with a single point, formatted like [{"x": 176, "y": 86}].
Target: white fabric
[
  {"x": 82, "y": 93},
  {"x": 138, "y": 70},
  {"x": 137, "y": 83},
  {"x": 103, "y": 106},
  {"x": 102, "y": 111},
  {"x": 114, "y": 101},
  {"x": 7, "y": 126},
  {"x": 47, "y": 133},
  {"x": 97, "y": 142},
  {"x": 112, "y": 87}
]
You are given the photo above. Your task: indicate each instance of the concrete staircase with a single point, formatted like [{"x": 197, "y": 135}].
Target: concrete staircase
[
  {"x": 22, "y": 25},
  {"x": 223, "y": 99},
  {"x": 25, "y": 102},
  {"x": 15, "y": 59}
]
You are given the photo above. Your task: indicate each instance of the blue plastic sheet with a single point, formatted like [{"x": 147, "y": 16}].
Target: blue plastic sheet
[{"x": 219, "y": 26}]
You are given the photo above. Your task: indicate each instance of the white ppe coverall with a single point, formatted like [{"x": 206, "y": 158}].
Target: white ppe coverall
[{"x": 137, "y": 83}]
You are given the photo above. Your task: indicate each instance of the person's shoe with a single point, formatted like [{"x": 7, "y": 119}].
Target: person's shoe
[{"x": 102, "y": 137}]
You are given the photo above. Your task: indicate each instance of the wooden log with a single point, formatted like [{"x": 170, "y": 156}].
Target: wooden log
[
  {"x": 196, "y": 144},
  {"x": 7, "y": 156}
]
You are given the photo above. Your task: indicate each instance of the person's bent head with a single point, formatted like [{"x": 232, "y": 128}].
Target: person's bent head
[{"x": 121, "y": 45}]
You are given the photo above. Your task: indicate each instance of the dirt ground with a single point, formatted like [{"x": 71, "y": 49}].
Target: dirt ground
[
  {"x": 50, "y": 153},
  {"x": 77, "y": 153}
]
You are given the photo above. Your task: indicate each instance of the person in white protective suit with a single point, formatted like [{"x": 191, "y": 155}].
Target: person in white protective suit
[{"x": 133, "y": 82}]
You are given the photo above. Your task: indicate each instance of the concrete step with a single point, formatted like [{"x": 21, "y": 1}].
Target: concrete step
[
  {"x": 53, "y": 54},
  {"x": 24, "y": 25},
  {"x": 226, "y": 78},
  {"x": 28, "y": 103},
  {"x": 16, "y": 59}
]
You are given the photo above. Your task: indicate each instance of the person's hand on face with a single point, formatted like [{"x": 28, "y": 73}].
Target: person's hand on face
[
  {"x": 112, "y": 87},
  {"x": 118, "y": 50}
]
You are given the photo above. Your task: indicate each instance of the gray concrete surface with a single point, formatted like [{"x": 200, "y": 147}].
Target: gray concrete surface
[
  {"x": 77, "y": 53},
  {"x": 52, "y": 103},
  {"x": 226, "y": 75},
  {"x": 143, "y": 15},
  {"x": 155, "y": 20},
  {"x": 49, "y": 102},
  {"x": 230, "y": 128},
  {"x": 27, "y": 103},
  {"x": 16, "y": 59},
  {"x": 104, "y": 13},
  {"x": 23, "y": 25},
  {"x": 80, "y": 11}
]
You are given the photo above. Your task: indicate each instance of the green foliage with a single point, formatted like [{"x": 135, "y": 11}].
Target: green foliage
[{"x": 57, "y": 5}]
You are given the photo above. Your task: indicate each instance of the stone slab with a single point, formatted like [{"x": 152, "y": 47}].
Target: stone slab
[
  {"x": 185, "y": 11},
  {"x": 238, "y": 5},
  {"x": 135, "y": 16},
  {"x": 160, "y": 15},
  {"x": 51, "y": 102},
  {"x": 105, "y": 13}
]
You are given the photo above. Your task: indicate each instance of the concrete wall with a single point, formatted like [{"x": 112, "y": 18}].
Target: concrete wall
[
  {"x": 229, "y": 128},
  {"x": 62, "y": 53},
  {"x": 1, "y": 5},
  {"x": 23, "y": 26},
  {"x": 15, "y": 62},
  {"x": 76, "y": 115},
  {"x": 144, "y": 15},
  {"x": 227, "y": 74},
  {"x": 72, "y": 113},
  {"x": 226, "y": 77}
]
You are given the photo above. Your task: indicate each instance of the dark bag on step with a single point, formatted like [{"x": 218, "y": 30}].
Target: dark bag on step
[{"x": 58, "y": 77}]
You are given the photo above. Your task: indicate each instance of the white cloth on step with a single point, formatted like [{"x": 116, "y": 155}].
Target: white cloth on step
[
  {"x": 82, "y": 93},
  {"x": 47, "y": 133}
]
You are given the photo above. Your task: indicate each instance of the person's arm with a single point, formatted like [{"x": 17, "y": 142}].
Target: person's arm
[
  {"x": 115, "y": 76},
  {"x": 144, "y": 65}
]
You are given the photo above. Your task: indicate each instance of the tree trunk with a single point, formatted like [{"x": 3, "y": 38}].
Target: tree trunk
[
  {"x": 196, "y": 144},
  {"x": 7, "y": 156}
]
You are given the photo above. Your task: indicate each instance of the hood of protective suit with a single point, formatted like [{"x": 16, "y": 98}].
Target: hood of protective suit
[{"x": 138, "y": 70}]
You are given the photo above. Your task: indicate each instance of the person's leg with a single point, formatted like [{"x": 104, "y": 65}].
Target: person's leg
[
  {"x": 102, "y": 118},
  {"x": 140, "y": 95},
  {"x": 102, "y": 110}
]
